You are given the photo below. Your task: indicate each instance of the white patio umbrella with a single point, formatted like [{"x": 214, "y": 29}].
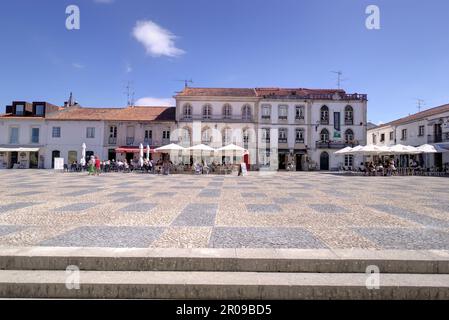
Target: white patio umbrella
[
  {"x": 148, "y": 152},
  {"x": 201, "y": 148},
  {"x": 170, "y": 148},
  {"x": 371, "y": 150},
  {"x": 344, "y": 151},
  {"x": 232, "y": 147},
  {"x": 141, "y": 155},
  {"x": 83, "y": 155},
  {"x": 401, "y": 149},
  {"x": 428, "y": 148}
]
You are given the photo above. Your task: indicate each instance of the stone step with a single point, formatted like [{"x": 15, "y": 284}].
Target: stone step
[
  {"x": 234, "y": 260},
  {"x": 219, "y": 285}
]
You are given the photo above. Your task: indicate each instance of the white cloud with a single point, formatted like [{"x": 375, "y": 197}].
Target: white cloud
[
  {"x": 129, "y": 68},
  {"x": 156, "y": 102},
  {"x": 156, "y": 40},
  {"x": 77, "y": 66}
]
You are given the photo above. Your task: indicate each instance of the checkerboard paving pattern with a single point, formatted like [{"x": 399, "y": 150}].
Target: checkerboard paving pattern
[{"x": 283, "y": 210}]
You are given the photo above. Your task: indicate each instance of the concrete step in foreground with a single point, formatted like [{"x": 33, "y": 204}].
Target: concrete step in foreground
[
  {"x": 220, "y": 285},
  {"x": 233, "y": 260},
  {"x": 40, "y": 272}
]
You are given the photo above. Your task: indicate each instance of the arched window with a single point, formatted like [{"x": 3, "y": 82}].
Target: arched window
[
  {"x": 187, "y": 111},
  {"x": 207, "y": 111},
  {"x": 227, "y": 111},
  {"x": 324, "y": 135},
  {"x": 349, "y": 136},
  {"x": 226, "y": 136},
  {"x": 206, "y": 136},
  {"x": 185, "y": 136},
  {"x": 349, "y": 116},
  {"x": 246, "y": 112},
  {"x": 324, "y": 115}
]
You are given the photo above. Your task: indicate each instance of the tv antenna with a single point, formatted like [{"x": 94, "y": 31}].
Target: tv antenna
[
  {"x": 130, "y": 94},
  {"x": 339, "y": 78},
  {"x": 420, "y": 103},
  {"x": 186, "y": 82}
]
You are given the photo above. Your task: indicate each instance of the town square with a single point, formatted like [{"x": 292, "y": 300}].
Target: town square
[{"x": 224, "y": 159}]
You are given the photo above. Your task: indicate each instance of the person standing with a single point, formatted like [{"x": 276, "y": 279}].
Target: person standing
[{"x": 97, "y": 165}]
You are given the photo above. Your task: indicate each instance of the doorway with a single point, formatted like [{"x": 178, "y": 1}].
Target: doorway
[
  {"x": 13, "y": 159},
  {"x": 282, "y": 161},
  {"x": 129, "y": 157},
  {"x": 34, "y": 160},
  {"x": 438, "y": 160},
  {"x": 299, "y": 162},
  {"x": 324, "y": 161},
  {"x": 54, "y": 154}
]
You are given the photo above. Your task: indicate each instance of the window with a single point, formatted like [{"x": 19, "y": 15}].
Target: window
[
  {"x": 391, "y": 135},
  {"x": 166, "y": 135},
  {"x": 20, "y": 110},
  {"x": 299, "y": 112},
  {"x": 266, "y": 112},
  {"x": 265, "y": 135},
  {"x": 227, "y": 111},
  {"x": 14, "y": 135},
  {"x": 299, "y": 136},
  {"x": 207, "y": 111},
  {"x": 374, "y": 139},
  {"x": 421, "y": 131},
  {"x": 206, "y": 136},
  {"x": 246, "y": 112},
  {"x": 382, "y": 137},
  {"x": 113, "y": 132},
  {"x": 34, "y": 135},
  {"x": 226, "y": 136},
  {"x": 246, "y": 136},
  {"x": 90, "y": 133},
  {"x": 40, "y": 109},
  {"x": 324, "y": 115},
  {"x": 349, "y": 160},
  {"x": 324, "y": 135},
  {"x": 404, "y": 134},
  {"x": 283, "y": 135},
  {"x": 56, "y": 132},
  {"x": 349, "y": 136},
  {"x": 349, "y": 116},
  {"x": 283, "y": 112},
  {"x": 72, "y": 157},
  {"x": 187, "y": 111},
  {"x": 149, "y": 134}
]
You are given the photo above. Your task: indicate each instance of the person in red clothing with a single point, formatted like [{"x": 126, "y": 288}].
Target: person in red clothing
[{"x": 97, "y": 165}]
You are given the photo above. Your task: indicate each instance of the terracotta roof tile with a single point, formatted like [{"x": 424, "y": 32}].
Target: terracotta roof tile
[
  {"x": 218, "y": 92},
  {"x": 417, "y": 116},
  {"x": 115, "y": 114}
]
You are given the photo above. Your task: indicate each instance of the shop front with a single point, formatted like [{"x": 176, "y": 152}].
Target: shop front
[{"x": 20, "y": 158}]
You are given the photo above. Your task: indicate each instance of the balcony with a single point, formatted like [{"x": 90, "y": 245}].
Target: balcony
[
  {"x": 299, "y": 141},
  {"x": 217, "y": 118},
  {"x": 112, "y": 140},
  {"x": 148, "y": 141},
  {"x": 299, "y": 118},
  {"x": 324, "y": 122},
  {"x": 165, "y": 142},
  {"x": 283, "y": 118},
  {"x": 282, "y": 140},
  {"x": 349, "y": 122},
  {"x": 333, "y": 144},
  {"x": 438, "y": 138},
  {"x": 266, "y": 117},
  {"x": 130, "y": 141}
]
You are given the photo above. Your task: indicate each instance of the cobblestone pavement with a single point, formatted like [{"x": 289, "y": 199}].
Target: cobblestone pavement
[{"x": 282, "y": 210}]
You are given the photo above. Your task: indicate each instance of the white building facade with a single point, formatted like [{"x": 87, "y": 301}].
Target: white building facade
[
  {"x": 299, "y": 129},
  {"x": 427, "y": 127}
]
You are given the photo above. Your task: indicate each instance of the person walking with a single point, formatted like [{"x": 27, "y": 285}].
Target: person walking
[{"x": 91, "y": 166}]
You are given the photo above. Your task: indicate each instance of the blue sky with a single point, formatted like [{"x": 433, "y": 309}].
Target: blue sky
[{"x": 232, "y": 43}]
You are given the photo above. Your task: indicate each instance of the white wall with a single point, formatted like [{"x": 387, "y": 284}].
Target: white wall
[{"x": 73, "y": 135}]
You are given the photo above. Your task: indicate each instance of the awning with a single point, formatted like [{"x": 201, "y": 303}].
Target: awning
[
  {"x": 130, "y": 150},
  {"x": 19, "y": 149}
]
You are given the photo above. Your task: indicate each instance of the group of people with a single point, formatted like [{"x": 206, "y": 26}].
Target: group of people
[{"x": 385, "y": 168}]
